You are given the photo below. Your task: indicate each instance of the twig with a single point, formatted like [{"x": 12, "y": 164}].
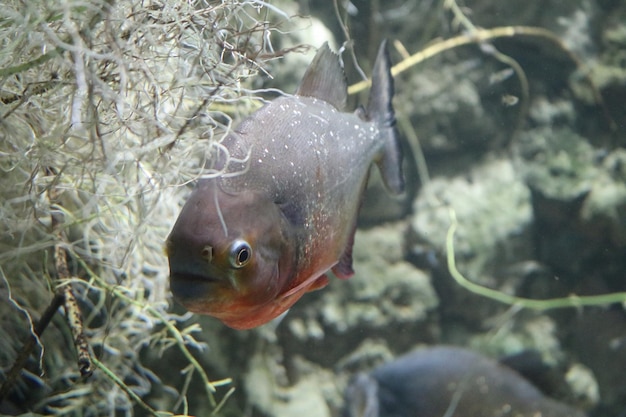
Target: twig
[
  {"x": 64, "y": 296},
  {"x": 490, "y": 49},
  {"x": 72, "y": 312},
  {"x": 111, "y": 375},
  {"x": 346, "y": 33},
  {"x": 226, "y": 396},
  {"x": 479, "y": 36},
  {"x": 116, "y": 291},
  {"x": 29, "y": 345},
  {"x": 75, "y": 322},
  {"x": 5, "y": 72},
  {"x": 93, "y": 21},
  {"x": 541, "y": 305}
]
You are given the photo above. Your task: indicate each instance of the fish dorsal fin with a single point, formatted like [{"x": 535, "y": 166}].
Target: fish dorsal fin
[{"x": 324, "y": 79}]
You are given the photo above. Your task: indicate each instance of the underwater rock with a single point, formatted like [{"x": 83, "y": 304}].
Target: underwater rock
[
  {"x": 387, "y": 298},
  {"x": 446, "y": 108},
  {"x": 607, "y": 69},
  {"x": 551, "y": 14},
  {"x": 557, "y": 163},
  {"x": 494, "y": 215},
  {"x": 579, "y": 203},
  {"x": 493, "y": 209},
  {"x": 605, "y": 207},
  {"x": 301, "y": 34},
  {"x": 448, "y": 381},
  {"x": 386, "y": 308},
  {"x": 605, "y": 354},
  {"x": 268, "y": 390}
]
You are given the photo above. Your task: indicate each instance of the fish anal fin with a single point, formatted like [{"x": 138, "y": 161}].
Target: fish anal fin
[
  {"x": 324, "y": 79},
  {"x": 319, "y": 283},
  {"x": 343, "y": 269}
]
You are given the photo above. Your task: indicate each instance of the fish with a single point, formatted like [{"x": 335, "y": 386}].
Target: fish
[
  {"x": 281, "y": 210},
  {"x": 447, "y": 381}
]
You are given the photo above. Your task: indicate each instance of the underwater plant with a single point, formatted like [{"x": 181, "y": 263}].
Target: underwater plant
[{"x": 107, "y": 110}]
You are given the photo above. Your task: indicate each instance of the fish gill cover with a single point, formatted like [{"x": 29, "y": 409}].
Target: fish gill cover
[{"x": 107, "y": 109}]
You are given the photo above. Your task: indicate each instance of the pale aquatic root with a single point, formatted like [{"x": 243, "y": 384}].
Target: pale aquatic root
[
  {"x": 119, "y": 121},
  {"x": 571, "y": 301}
]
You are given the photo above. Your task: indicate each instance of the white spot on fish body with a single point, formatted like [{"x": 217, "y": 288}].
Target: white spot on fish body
[{"x": 318, "y": 118}]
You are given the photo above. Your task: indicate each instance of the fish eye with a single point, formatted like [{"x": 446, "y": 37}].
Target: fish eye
[{"x": 240, "y": 253}]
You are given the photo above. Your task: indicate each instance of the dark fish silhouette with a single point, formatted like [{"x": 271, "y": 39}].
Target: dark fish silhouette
[
  {"x": 448, "y": 381},
  {"x": 282, "y": 212}
]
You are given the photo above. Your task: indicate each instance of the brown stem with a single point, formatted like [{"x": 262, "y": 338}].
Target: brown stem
[{"x": 29, "y": 345}]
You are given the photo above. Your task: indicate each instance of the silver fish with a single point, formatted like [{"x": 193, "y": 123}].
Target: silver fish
[
  {"x": 282, "y": 213},
  {"x": 448, "y": 381}
]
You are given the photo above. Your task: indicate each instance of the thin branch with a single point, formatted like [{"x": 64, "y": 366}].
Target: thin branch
[
  {"x": 29, "y": 346},
  {"x": 490, "y": 49},
  {"x": 541, "y": 305},
  {"x": 70, "y": 305},
  {"x": 479, "y": 36},
  {"x": 111, "y": 375}
]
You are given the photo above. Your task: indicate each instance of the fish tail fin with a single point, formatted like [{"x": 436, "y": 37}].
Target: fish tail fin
[{"x": 380, "y": 110}]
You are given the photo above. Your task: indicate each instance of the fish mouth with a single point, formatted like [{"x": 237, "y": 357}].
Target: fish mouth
[
  {"x": 189, "y": 286},
  {"x": 191, "y": 277}
]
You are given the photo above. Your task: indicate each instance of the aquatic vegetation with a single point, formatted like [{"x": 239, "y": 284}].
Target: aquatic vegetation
[
  {"x": 105, "y": 115},
  {"x": 575, "y": 301}
]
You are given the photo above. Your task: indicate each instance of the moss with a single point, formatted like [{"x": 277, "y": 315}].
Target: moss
[{"x": 107, "y": 111}]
